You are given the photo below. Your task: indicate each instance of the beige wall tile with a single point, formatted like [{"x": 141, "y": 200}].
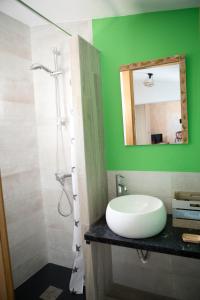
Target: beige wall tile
[
  {"x": 14, "y": 37},
  {"x": 15, "y": 78},
  {"x": 19, "y": 154}
]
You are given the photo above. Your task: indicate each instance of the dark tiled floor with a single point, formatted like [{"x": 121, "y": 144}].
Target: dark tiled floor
[{"x": 49, "y": 275}]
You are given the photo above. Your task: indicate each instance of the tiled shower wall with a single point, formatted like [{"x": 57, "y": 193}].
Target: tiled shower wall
[
  {"x": 166, "y": 275},
  {"x": 18, "y": 152},
  {"x": 44, "y": 39}
]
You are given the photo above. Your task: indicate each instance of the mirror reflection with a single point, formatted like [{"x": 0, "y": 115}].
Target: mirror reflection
[
  {"x": 154, "y": 103},
  {"x": 157, "y": 105}
]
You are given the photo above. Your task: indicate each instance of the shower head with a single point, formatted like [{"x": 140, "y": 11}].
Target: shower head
[{"x": 40, "y": 67}]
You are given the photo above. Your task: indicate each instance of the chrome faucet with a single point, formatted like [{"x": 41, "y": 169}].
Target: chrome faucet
[{"x": 121, "y": 188}]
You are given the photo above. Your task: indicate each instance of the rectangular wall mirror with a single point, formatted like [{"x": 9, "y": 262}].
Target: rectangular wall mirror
[{"x": 154, "y": 102}]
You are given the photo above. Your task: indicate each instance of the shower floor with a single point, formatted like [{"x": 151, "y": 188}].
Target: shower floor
[{"x": 50, "y": 283}]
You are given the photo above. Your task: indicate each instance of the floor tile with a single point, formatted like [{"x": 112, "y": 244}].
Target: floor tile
[
  {"x": 51, "y": 293},
  {"x": 50, "y": 275}
]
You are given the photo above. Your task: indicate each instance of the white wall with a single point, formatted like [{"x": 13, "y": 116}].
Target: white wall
[
  {"x": 18, "y": 152},
  {"x": 44, "y": 39},
  {"x": 166, "y": 275}
]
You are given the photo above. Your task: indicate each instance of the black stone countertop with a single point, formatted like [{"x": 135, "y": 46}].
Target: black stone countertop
[{"x": 168, "y": 241}]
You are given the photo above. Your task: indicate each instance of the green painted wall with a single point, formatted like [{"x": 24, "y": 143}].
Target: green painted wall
[{"x": 123, "y": 40}]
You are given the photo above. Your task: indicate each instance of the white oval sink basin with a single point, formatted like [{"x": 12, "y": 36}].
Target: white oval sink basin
[{"x": 136, "y": 216}]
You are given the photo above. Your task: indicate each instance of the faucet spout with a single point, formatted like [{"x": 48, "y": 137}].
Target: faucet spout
[{"x": 121, "y": 188}]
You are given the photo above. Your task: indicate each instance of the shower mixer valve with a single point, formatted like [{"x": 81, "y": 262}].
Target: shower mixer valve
[{"x": 60, "y": 177}]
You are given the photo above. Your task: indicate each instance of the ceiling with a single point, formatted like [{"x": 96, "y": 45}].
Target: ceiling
[
  {"x": 60, "y": 11},
  {"x": 166, "y": 86},
  {"x": 163, "y": 73}
]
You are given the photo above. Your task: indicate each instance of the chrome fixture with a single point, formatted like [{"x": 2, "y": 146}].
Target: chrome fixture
[
  {"x": 149, "y": 80},
  {"x": 121, "y": 188},
  {"x": 143, "y": 255},
  {"x": 61, "y": 178},
  {"x": 61, "y": 164},
  {"x": 41, "y": 67}
]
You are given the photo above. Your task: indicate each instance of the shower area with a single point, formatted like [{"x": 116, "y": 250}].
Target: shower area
[{"x": 36, "y": 156}]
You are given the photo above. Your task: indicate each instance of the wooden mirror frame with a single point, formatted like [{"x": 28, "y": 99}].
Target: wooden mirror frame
[{"x": 127, "y": 92}]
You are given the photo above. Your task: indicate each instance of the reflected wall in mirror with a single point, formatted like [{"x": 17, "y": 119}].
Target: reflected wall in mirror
[{"x": 154, "y": 102}]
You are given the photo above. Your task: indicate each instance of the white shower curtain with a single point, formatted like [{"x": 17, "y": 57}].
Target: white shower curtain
[{"x": 77, "y": 277}]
